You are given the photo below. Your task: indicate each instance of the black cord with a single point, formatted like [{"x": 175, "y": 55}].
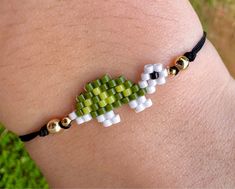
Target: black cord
[
  {"x": 42, "y": 132},
  {"x": 193, "y": 53}
]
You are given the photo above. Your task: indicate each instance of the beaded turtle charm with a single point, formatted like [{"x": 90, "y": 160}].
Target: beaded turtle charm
[{"x": 102, "y": 95}]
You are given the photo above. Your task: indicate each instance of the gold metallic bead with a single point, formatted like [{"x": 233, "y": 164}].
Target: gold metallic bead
[
  {"x": 182, "y": 62},
  {"x": 53, "y": 126},
  {"x": 66, "y": 122},
  {"x": 172, "y": 71}
]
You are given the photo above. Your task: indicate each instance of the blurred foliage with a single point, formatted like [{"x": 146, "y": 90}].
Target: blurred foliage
[{"x": 17, "y": 170}]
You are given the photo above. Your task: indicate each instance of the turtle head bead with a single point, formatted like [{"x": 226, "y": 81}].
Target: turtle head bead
[
  {"x": 182, "y": 63},
  {"x": 53, "y": 126}
]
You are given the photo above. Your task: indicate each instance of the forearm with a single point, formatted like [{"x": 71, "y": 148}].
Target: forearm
[
  {"x": 56, "y": 52},
  {"x": 67, "y": 44}
]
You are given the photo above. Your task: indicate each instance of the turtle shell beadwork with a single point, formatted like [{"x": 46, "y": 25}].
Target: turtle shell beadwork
[{"x": 103, "y": 95}]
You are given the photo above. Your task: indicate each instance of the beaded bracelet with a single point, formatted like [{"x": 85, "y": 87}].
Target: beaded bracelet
[{"x": 102, "y": 95}]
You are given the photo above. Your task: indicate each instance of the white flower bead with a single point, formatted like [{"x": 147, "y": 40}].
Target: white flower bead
[
  {"x": 141, "y": 99},
  {"x": 116, "y": 119},
  {"x": 148, "y": 68},
  {"x": 145, "y": 76},
  {"x": 157, "y": 67},
  {"x": 87, "y": 117},
  {"x": 143, "y": 84},
  {"x": 73, "y": 115},
  {"x": 161, "y": 81},
  {"x": 150, "y": 90},
  {"x": 100, "y": 118},
  {"x": 107, "y": 123},
  {"x": 139, "y": 108},
  {"x": 79, "y": 120},
  {"x": 152, "y": 82},
  {"x": 109, "y": 115},
  {"x": 163, "y": 73},
  {"x": 148, "y": 103},
  {"x": 133, "y": 104}
]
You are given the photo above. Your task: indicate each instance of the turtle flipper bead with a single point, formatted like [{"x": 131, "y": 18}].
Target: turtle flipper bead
[
  {"x": 53, "y": 126},
  {"x": 108, "y": 119}
]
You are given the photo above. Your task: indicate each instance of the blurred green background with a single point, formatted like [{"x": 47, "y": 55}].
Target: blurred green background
[{"x": 17, "y": 170}]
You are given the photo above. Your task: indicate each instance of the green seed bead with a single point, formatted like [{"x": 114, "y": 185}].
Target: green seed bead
[
  {"x": 79, "y": 113},
  {"x": 79, "y": 105},
  {"x": 80, "y": 98},
  {"x": 120, "y": 88},
  {"x": 96, "y": 83},
  {"x": 101, "y": 111},
  {"x": 95, "y": 107},
  {"x": 95, "y": 99},
  {"x": 89, "y": 87},
  {"x": 135, "y": 88},
  {"x": 125, "y": 100},
  {"x": 111, "y": 92},
  {"x": 96, "y": 91},
  {"x": 103, "y": 95},
  {"x": 94, "y": 114},
  {"x": 133, "y": 96},
  {"x": 112, "y": 83},
  {"x": 117, "y": 104},
  {"x": 110, "y": 100},
  {"x": 128, "y": 84},
  {"x": 141, "y": 92},
  {"x": 105, "y": 79},
  {"x": 88, "y": 102},
  {"x": 102, "y": 103},
  {"x": 88, "y": 95},
  {"x": 127, "y": 92},
  {"x": 120, "y": 80},
  {"x": 86, "y": 110},
  {"x": 118, "y": 96},
  {"x": 109, "y": 107},
  {"x": 104, "y": 87}
]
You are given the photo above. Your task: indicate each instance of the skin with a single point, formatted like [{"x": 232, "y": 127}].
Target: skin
[{"x": 50, "y": 49}]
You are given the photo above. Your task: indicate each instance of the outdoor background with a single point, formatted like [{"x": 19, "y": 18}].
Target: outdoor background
[{"x": 17, "y": 170}]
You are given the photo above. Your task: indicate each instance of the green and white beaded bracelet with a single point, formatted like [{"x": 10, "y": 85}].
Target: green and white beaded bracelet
[{"x": 103, "y": 95}]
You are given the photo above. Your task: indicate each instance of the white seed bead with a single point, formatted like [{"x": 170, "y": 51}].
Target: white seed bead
[
  {"x": 141, "y": 99},
  {"x": 73, "y": 115},
  {"x": 87, "y": 117},
  {"x": 100, "y": 118},
  {"x": 79, "y": 120},
  {"x": 143, "y": 84},
  {"x": 133, "y": 104},
  {"x": 163, "y": 73},
  {"x": 109, "y": 115},
  {"x": 107, "y": 123},
  {"x": 139, "y": 108},
  {"x": 148, "y": 103},
  {"x": 116, "y": 119},
  {"x": 148, "y": 68},
  {"x": 150, "y": 90},
  {"x": 152, "y": 82},
  {"x": 157, "y": 67},
  {"x": 161, "y": 80},
  {"x": 145, "y": 76}
]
